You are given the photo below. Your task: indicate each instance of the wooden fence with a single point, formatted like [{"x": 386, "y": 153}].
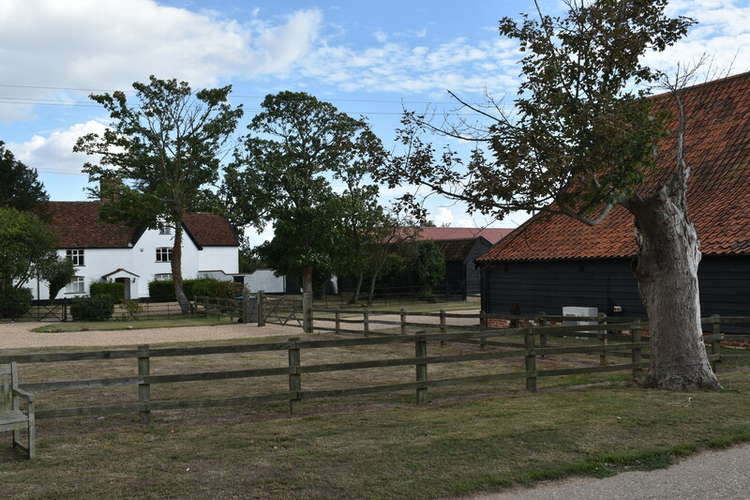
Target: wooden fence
[{"x": 529, "y": 350}]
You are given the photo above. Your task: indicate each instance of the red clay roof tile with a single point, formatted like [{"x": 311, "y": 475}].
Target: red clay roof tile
[{"x": 717, "y": 145}]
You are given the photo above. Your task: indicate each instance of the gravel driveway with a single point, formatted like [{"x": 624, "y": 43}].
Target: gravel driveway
[
  {"x": 19, "y": 335},
  {"x": 712, "y": 475}
]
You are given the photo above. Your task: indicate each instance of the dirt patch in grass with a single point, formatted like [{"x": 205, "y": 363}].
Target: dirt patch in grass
[{"x": 379, "y": 446}]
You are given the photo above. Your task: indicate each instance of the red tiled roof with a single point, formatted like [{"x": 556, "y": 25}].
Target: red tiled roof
[
  {"x": 491, "y": 234},
  {"x": 717, "y": 146},
  {"x": 76, "y": 224}
]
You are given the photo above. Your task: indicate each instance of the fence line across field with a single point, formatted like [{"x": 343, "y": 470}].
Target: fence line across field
[{"x": 529, "y": 351}]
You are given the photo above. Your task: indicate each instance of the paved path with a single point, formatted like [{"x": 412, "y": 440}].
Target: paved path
[{"x": 711, "y": 475}]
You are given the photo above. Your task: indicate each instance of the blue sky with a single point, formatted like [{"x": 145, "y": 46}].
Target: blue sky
[{"x": 365, "y": 57}]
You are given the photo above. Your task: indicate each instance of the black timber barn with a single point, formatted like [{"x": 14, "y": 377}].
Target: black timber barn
[{"x": 553, "y": 261}]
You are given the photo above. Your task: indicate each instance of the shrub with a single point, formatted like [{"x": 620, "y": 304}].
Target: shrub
[
  {"x": 163, "y": 291},
  {"x": 95, "y": 308},
  {"x": 133, "y": 307},
  {"x": 114, "y": 289},
  {"x": 215, "y": 288},
  {"x": 15, "y": 302}
]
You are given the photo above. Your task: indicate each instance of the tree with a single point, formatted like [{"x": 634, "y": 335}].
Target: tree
[
  {"x": 20, "y": 187},
  {"x": 159, "y": 155},
  {"x": 282, "y": 174},
  {"x": 57, "y": 272},
  {"x": 582, "y": 139},
  {"x": 429, "y": 266},
  {"x": 26, "y": 244}
]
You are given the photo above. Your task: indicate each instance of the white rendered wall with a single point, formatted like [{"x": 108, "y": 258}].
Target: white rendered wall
[
  {"x": 141, "y": 260},
  {"x": 225, "y": 259}
]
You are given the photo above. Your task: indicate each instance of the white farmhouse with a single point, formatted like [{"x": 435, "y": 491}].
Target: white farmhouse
[{"x": 113, "y": 252}]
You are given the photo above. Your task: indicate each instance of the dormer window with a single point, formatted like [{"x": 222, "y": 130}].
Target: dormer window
[
  {"x": 76, "y": 256},
  {"x": 165, "y": 229},
  {"x": 164, "y": 254}
]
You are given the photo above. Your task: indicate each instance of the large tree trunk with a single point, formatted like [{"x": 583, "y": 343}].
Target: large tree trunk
[
  {"x": 667, "y": 273},
  {"x": 307, "y": 299},
  {"x": 357, "y": 289},
  {"x": 177, "y": 270}
]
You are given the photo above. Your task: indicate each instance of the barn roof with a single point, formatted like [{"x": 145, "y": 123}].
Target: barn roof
[
  {"x": 456, "y": 250},
  {"x": 491, "y": 234},
  {"x": 717, "y": 146},
  {"x": 76, "y": 224}
]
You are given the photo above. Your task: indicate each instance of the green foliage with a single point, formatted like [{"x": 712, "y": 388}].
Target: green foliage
[
  {"x": 581, "y": 137},
  {"x": 429, "y": 266},
  {"x": 132, "y": 307},
  {"x": 166, "y": 148},
  {"x": 282, "y": 174},
  {"x": 163, "y": 291},
  {"x": 25, "y": 245},
  {"x": 216, "y": 288},
  {"x": 57, "y": 272},
  {"x": 20, "y": 187},
  {"x": 94, "y": 308},
  {"x": 250, "y": 259},
  {"x": 14, "y": 302},
  {"x": 115, "y": 290}
]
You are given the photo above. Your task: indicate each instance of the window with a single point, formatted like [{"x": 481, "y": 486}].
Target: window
[
  {"x": 164, "y": 254},
  {"x": 164, "y": 229},
  {"x": 78, "y": 285},
  {"x": 162, "y": 277},
  {"x": 76, "y": 256}
]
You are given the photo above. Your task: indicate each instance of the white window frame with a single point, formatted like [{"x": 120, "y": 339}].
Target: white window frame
[
  {"x": 165, "y": 229},
  {"x": 77, "y": 285},
  {"x": 76, "y": 256},
  {"x": 162, "y": 276},
  {"x": 164, "y": 254}
]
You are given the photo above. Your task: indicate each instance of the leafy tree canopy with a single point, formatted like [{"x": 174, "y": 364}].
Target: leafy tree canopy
[
  {"x": 20, "y": 186},
  {"x": 26, "y": 244}
]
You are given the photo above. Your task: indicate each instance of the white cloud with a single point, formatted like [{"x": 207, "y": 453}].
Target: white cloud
[
  {"x": 109, "y": 44},
  {"x": 458, "y": 65},
  {"x": 722, "y": 34},
  {"x": 442, "y": 216},
  {"x": 54, "y": 152}
]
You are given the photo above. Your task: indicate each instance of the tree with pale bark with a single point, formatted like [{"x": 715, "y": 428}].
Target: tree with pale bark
[
  {"x": 158, "y": 156},
  {"x": 581, "y": 138}
]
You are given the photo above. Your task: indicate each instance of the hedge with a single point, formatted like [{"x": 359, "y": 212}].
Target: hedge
[
  {"x": 114, "y": 289},
  {"x": 163, "y": 291},
  {"x": 95, "y": 308},
  {"x": 15, "y": 302}
]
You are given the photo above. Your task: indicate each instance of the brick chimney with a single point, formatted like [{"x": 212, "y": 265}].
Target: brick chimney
[{"x": 108, "y": 187}]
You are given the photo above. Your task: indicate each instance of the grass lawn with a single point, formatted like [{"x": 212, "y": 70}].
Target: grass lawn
[
  {"x": 466, "y": 439},
  {"x": 116, "y": 324}
]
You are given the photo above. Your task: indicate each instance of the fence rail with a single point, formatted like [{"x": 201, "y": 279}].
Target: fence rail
[{"x": 529, "y": 351}]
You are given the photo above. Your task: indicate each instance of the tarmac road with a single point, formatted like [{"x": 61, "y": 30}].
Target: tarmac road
[{"x": 711, "y": 475}]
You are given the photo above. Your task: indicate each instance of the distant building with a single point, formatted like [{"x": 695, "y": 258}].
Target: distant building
[{"x": 102, "y": 251}]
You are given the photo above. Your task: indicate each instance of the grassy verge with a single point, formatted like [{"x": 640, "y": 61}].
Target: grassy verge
[
  {"x": 82, "y": 326},
  {"x": 467, "y": 439}
]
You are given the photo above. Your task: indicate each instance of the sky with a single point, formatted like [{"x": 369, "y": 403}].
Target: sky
[{"x": 367, "y": 58}]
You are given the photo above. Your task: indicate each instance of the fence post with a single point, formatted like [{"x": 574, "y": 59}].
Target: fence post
[
  {"x": 603, "y": 339},
  {"x": 366, "y": 319},
  {"x": 420, "y": 351},
  {"x": 295, "y": 379},
  {"x": 635, "y": 336},
  {"x": 144, "y": 389},
  {"x": 482, "y": 326},
  {"x": 542, "y": 336},
  {"x": 261, "y": 307},
  {"x": 403, "y": 321},
  {"x": 530, "y": 361},
  {"x": 337, "y": 316},
  {"x": 442, "y": 326},
  {"x": 716, "y": 342}
]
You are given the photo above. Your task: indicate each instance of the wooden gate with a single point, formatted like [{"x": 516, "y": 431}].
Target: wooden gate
[{"x": 280, "y": 310}]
